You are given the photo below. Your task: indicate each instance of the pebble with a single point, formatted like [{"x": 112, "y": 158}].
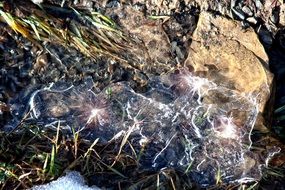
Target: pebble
[
  {"x": 41, "y": 62},
  {"x": 282, "y": 15},
  {"x": 233, "y": 3},
  {"x": 113, "y": 4},
  {"x": 258, "y": 4},
  {"x": 247, "y": 10},
  {"x": 3, "y": 107},
  {"x": 252, "y": 20}
]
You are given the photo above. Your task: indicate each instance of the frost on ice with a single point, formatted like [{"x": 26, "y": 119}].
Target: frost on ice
[
  {"x": 183, "y": 121},
  {"x": 71, "y": 181}
]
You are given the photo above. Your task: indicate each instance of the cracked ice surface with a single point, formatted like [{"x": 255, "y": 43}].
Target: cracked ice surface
[{"x": 183, "y": 121}]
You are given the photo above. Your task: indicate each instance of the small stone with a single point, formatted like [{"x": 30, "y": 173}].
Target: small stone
[
  {"x": 37, "y": 1},
  {"x": 247, "y": 10},
  {"x": 41, "y": 62},
  {"x": 113, "y": 4},
  {"x": 258, "y": 4},
  {"x": 3, "y": 107},
  {"x": 251, "y": 20},
  {"x": 233, "y": 3},
  {"x": 282, "y": 15}
]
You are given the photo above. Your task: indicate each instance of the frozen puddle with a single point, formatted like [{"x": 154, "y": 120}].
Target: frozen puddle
[{"x": 183, "y": 122}]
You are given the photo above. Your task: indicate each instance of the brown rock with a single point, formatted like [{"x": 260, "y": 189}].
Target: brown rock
[
  {"x": 221, "y": 6},
  {"x": 230, "y": 56},
  {"x": 152, "y": 46}
]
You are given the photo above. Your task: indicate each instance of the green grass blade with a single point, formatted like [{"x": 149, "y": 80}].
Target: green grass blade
[
  {"x": 52, "y": 159},
  {"x": 280, "y": 109}
]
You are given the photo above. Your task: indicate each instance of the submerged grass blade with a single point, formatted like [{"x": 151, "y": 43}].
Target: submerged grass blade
[
  {"x": 75, "y": 141},
  {"x": 280, "y": 109},
  {"x": 91, "y": 148},
  {"x": 87, "y": 155},
  {"x": 113, "y": 169},
  {"x": 46, "y": 163},
  {"x": 52, "y": 160},
  {"x": 157, "y": 182},
  {"x": 124, "y": 141},
  {"x": 189, "y": 167},
  {"x": 218, "y": 176}
]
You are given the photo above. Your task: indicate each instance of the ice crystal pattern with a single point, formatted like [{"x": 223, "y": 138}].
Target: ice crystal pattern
[{"x": 183, "y": 122}]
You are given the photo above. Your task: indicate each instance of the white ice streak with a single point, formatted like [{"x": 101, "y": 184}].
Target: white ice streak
[
  {"x": 32, "y": 105},
  {"x": 271, "y": 154},
  {"x": 196, "y": 129},
  {"x": 227, "y": 129},
  {"x": 198, "y": 166},
  {"x": 199, "y": 85},
  {"x": 167, "y": 144}
]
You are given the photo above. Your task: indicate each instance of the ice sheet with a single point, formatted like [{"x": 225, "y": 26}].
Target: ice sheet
[{"x": 183, "y": 121}]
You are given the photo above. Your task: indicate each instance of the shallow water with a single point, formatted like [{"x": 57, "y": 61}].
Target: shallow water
[{"x": 182, "y": 121}]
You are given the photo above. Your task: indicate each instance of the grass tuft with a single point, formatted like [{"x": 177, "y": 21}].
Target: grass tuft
[{"x": 91, "y": 33}]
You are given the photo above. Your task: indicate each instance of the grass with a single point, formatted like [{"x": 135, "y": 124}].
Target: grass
[
  {"x": 92, "y": 33},
  {"x": 33, "y": 157},
  {"x": 30, "y": 156}
]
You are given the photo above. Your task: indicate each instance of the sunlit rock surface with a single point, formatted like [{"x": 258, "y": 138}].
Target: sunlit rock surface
[
  {"x": 230, "y": 56},
  {"x": 173, "y": 121}
]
